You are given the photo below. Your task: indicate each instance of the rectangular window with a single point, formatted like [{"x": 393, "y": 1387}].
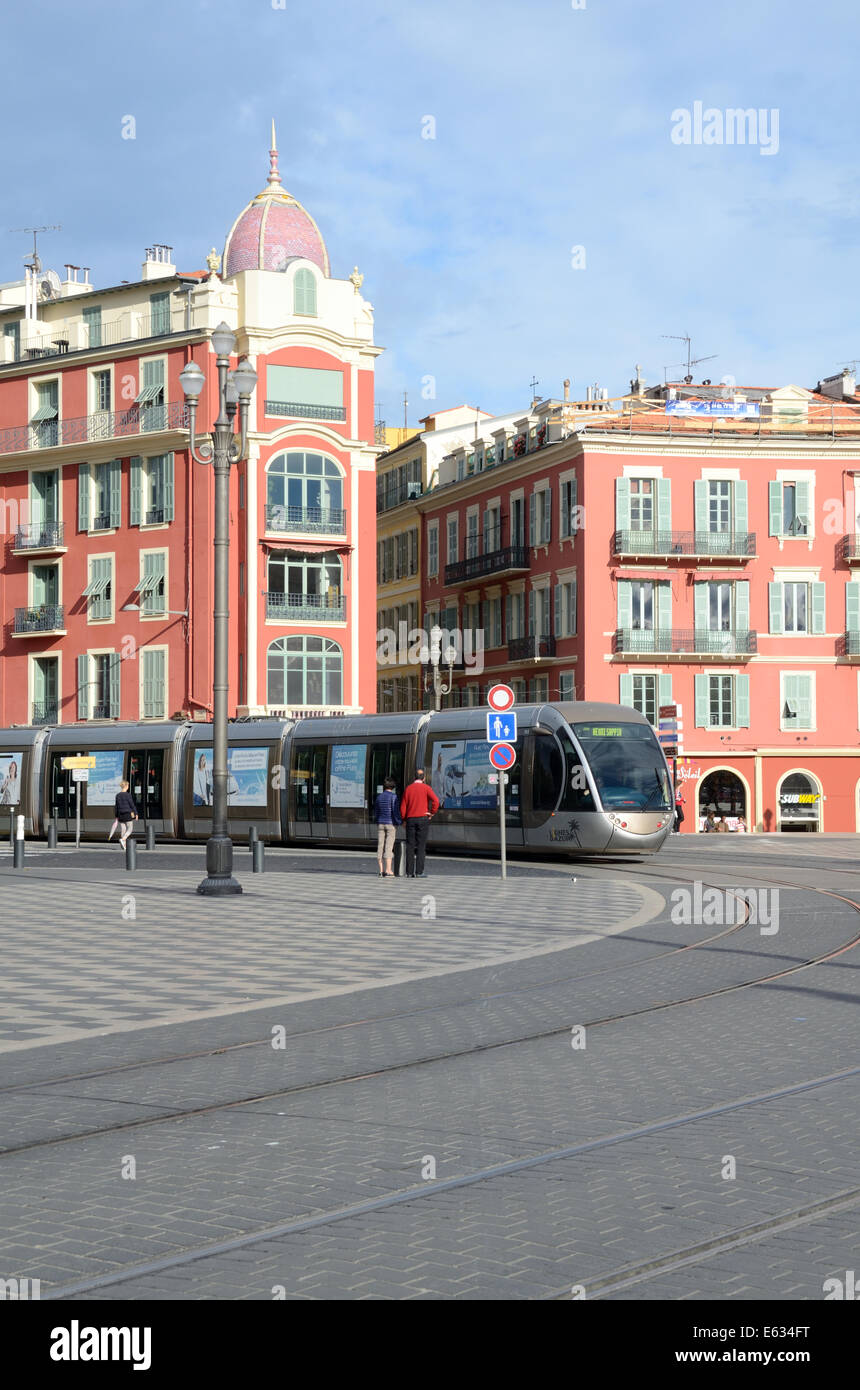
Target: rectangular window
[
  {"x": 160, "y": 309},
  {"x": 516, "y": 616},
  {"x": 566, "y": 686},
  {"x": 641, "y": 504},
  {"x": 150, "y": 398},
  {"x": 453, "y": 541},
  {"x": 797, "y": 701},
  {"x": 12, "y": 331},
  {"x": 642, "y": 596},
  {"x": 719, "y": 505},
  {"x": 317, "y": 390},
  {"x": 518, "y": 521},
  {"x": 101, "y": 497},
  {"x": 101, "y": 683},
  {"x": 471, "y": 535},
  {"x": 720, "y": 617},
  {"x": 793, "y": 524},
  {"x": 154, "y": 685},
  {"x": 99, "y": 590},
  {"x": 492, "y": 529},
  {"x": 152, "y": 584},
  {"x": 45, "y": 419},
  {"x": 433, "y": 548},
  {"x": 565, "y": 609},
  {"x": 494, "y": 637},
  {"x": 93, "y": 326},
  {"x": 796, "y": 607},
  {"x": 540, "y": 526},
  {"x": 539, "y": 601},
  {"x": 721, "y": 701},
  {"x": 102, "y": 391},
  {"x": 568, "y": 508},
  {"x": 645, "y": 696}
]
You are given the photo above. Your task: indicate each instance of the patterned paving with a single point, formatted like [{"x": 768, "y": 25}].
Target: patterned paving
[{"x": 83, "y": 957}]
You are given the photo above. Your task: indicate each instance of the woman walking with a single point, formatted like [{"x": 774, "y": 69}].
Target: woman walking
[
  {"x": 125, "y": 811},
  {"x": 386, "y": 813}
]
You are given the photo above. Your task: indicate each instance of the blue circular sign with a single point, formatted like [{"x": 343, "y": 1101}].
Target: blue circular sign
[{"x": 503, "y": 756}]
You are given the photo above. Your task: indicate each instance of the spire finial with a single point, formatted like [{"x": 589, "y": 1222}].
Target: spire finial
[{"x": 274, "y": 173}]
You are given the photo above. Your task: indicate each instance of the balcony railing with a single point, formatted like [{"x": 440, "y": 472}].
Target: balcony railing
[
  {"x": 305, "y": 412},
  {"x": 393, "y": 497},
  {"x": 88, "y": 429},
  {"x": 155, "y": 516},
  {"x": 849, "y": 549},
  {"x": 534, "y": 648},
  {"x": 40, "y": 535},
  {"x": 850, "y": 644},
  {"x": 104, "y": 712},
  {"x": 45, "y": 713},
  {"x": 76, "y": 335},
  {"x": 46, "y": 617},
  {"x": 685, "y": 642},
  {"x": 728, "y": 544},
  {"x": 305, "y": 608},
  {"x": 513, "y": 557},
  {"x": 325, "y": 521}
]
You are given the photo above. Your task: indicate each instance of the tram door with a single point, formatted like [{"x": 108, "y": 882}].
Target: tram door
[
  {"x": 146, "y": 779},
  {"x": 308, "y": 786},
  {"x": 386, "y": 760},
  {"x": 64, "y": 792}
]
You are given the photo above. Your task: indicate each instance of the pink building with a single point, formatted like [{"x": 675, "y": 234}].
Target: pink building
[
  {"x": 106, "y": 585},
  {"x": 694, "y": 552}
]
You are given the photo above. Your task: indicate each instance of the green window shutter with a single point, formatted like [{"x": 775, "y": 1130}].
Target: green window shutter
[
  {"x": 742, "y": 605},
  {"x": 572, "y": 526},
  {"x": 135, "y": 486},
  {"x": 774, "y": 508},
  {"x": 622, "y": 504},
  {"x": 625, "y": 604},
  {"x": 83, "y": 497},
  {"x": 486, "y": 529},
  {"x": 852, "y": 606},
  {"x": 547, "y": 516},
  {"x": 664, "y": 504},
  {"x": 626, "y": 690},
  {"x": 664, "y": 689},
  {"x": 153, "y": 685},
  {"x": 776, "y": 607},
  {"x": 790, "y": 692},
  {"x": 557, "y": 611},
  {"x": 531, "y": 613},
  {"x": 802, "y": 499},
  {"x": 115, "y": 491},
  {"x": 741, "y": 510},
  {"x": 153, "y": 373},
  {"x": 168, "y": 486},
  {"x": 703, "y": 713},
  {"x": 700, "y": 607},
  {"x": 114, "y": 685},
  {"x": 818, "y": 616},
  {"x": 573, "y": 606},
  {"x": 742, "y": 702},
  {"x": 805, "y": 688},
  {"x": 532, "y": 518},
  {"x": 700, "y": 502},
  {"x": 83, "y": 686},
  {"x": 664, "y": 606}
]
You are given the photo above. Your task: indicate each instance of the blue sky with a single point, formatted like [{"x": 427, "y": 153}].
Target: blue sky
[{"x": 553, "y": 130}]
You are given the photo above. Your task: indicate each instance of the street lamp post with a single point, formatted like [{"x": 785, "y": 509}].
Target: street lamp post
[
  {"x": 234, "y": 389},
  {"x": 431, "y": 657}
]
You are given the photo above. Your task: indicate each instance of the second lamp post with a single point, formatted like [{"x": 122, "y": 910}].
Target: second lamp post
[{"x": 234, "y": 390}]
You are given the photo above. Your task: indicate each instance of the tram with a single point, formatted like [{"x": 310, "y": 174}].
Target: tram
[{"x": 590, "y": 778}]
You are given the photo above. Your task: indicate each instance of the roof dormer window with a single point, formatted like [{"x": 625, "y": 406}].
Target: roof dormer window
[{"x": 305, "y": 293}]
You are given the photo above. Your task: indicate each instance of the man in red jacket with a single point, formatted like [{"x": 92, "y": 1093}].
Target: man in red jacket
[{"x": 418, "y": 803}]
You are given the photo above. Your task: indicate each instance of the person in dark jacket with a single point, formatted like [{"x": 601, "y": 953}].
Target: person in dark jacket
[
  {"x": 418, "y": 804},
  {"x": 386, "y": 813},
  {"x": 125, "y": 811}
]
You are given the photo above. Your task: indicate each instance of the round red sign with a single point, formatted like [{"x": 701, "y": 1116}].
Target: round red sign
[
  {"x": 503, "y": 755},
  {"x": 500, "y": 697}
]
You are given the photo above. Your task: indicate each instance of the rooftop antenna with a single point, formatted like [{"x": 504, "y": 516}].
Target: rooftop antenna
[
  {"x": 534, "y": 384},
  {"x": 691, "y": 361},
  {"x": 35, "y": 264},
  {"x": 405, "y": 409}
]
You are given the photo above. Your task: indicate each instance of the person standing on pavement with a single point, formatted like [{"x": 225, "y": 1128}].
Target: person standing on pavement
[
  {"x": 125, "y": 811},
  {"x": 679, "y": 808},
  {"x": 418, "y": 804},
  {"x": 386, "y": 813}
]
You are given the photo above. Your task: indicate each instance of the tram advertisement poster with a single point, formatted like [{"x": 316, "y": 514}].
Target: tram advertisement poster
[
  {"x": 348, "y": 761},
  {"x": 105, "y": 777},
  {"x": 460, "y": 775},
  {"x": 246, "y": 775},
  {"x": 10, "y": 779}
]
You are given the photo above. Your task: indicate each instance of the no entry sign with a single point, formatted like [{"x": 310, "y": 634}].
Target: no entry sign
[{"x": 500, "y": 697}]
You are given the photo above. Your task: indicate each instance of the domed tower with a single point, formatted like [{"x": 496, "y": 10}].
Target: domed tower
[{"x": 273, "y": 229}]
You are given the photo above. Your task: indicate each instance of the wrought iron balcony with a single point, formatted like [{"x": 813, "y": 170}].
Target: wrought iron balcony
[
  {"x": 849, "y": 549},
  {"x": 40, "y": 535},
  {"x": 513, "y": 557},
  {"x": 850, "y": 644},
  {"x": 155, "y": 516},
  {"x": 534, "y": 648},
  {"x": 393, "y": 497},
  {"x": 728, "y": 646},
  {"x": 45, "y": 617},
  {"x": 323, "y": 521},
  {"x": 305, "y": 608},
  {"x": 88, "y": 429},
  {"x": 728, "y": 545},
  {"x": 73, "y": 335},
  {"x": 45, "y": 713},
  {"x": 302, "y": 411},
  {"x": 104, "y": 712}
]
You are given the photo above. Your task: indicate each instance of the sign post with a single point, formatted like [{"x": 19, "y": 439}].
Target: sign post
[
  {"x": 501, "y": 734},
  {"x": 503, "y": 756},
  {"x": 79, "y": 766}
]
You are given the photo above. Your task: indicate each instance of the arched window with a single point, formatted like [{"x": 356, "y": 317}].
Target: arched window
[
  {"x": 305, "y": 293},
  {"x": 799, "y": 802},
  {"x": 304, "y": 671},
  {"x": 304, "y": 492}
]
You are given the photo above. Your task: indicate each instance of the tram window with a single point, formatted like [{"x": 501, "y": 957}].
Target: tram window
[
  {"x": 548, "y": 770},
  {"x": 301, "y": 782},
  {"x": 577, "y": 795},
  {"x": 396, "y": 764},
  {"x": 378, "y": 766}
]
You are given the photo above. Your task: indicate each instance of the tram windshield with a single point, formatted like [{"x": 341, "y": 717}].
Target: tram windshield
[{"x": 627, "y": 765}]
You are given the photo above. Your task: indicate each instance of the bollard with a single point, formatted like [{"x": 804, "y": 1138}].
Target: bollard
[
  {"x": 259, "y": 850},
  {"x": 18, "y": 852},
  {"x": 252, "y": 837},
  {"x": 52, "y": 834},
  {"x": 130, "y": 853},
  {"x": 150, "y": 837}
]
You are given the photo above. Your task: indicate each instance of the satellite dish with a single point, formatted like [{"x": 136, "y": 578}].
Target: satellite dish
[{"x": 49, "y": 285}]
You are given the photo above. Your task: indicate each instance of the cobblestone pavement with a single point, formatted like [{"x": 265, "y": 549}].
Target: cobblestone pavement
[{"x": 443, "y": 1137}]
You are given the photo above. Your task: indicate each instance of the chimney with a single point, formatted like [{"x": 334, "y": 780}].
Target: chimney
[
  {"x": 839, "y": 387},
  {"x": 159, "y": 263},
  {"x": 567, "y": 388}
]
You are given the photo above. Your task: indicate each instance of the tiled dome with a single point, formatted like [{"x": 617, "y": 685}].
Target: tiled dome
[{"x": 273, "y": 229}]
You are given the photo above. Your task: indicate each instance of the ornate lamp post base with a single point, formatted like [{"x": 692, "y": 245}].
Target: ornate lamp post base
[{"x": 219, "y": 880}]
